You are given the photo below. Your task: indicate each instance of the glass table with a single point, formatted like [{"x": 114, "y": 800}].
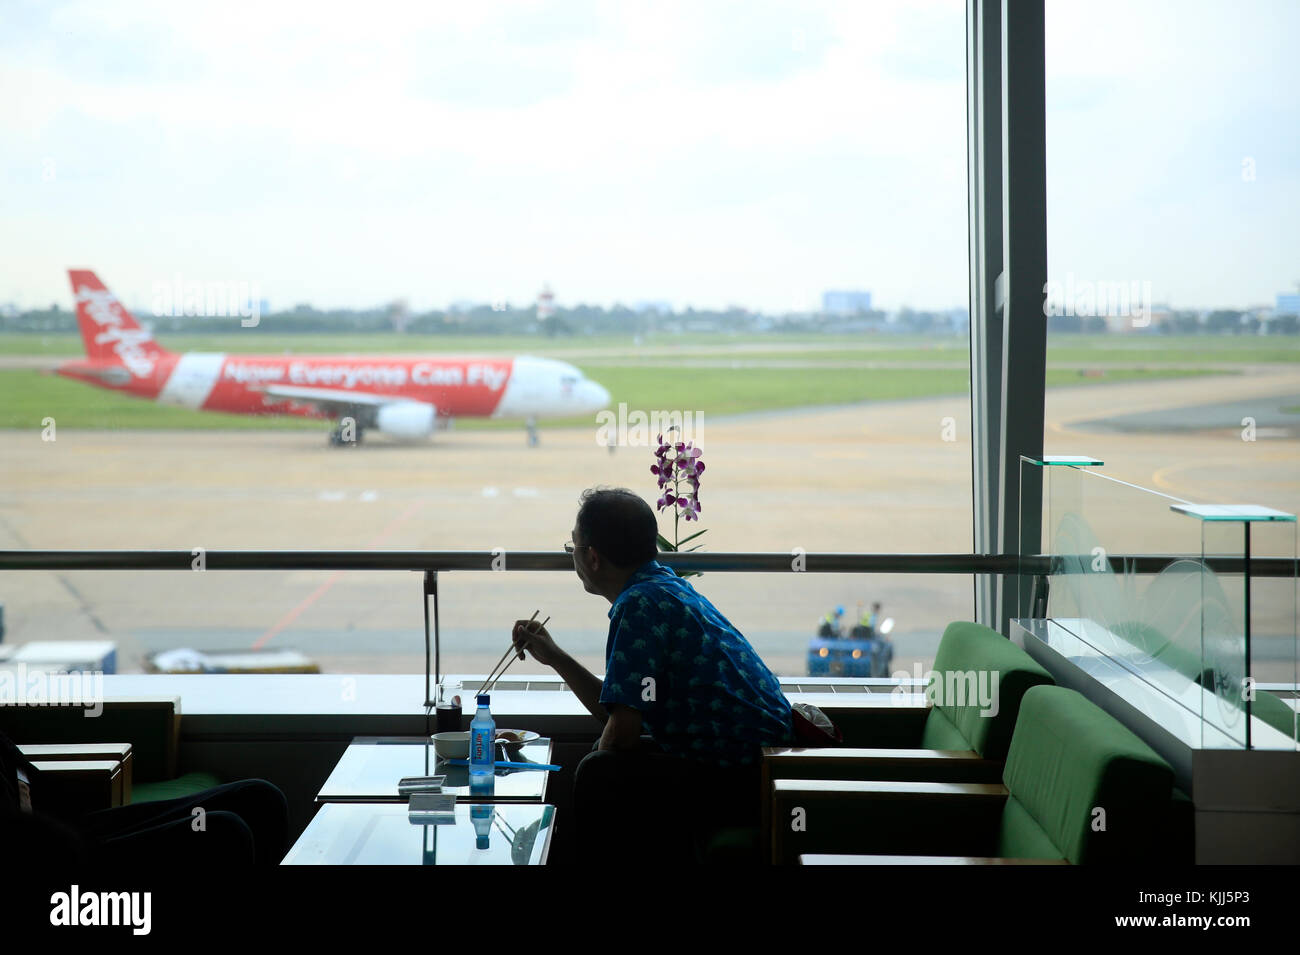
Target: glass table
[
  {"x": 372, "y": 765},
  {"x": 385, "y": 834}
]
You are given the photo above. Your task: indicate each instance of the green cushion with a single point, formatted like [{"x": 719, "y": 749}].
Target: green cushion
[
  {"x": 1068, "y": 758},
  {"x": 186, "y": 785},
  {"x": 891, "y": 727},
  {"x": 973, "y": 649},
  {"x": 1021, "y": 837},
  {"x": 941, "y": 734},
  {"x": 730, "y": 846}
]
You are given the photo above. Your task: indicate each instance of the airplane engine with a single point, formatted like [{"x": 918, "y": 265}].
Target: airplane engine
[{"x": 407, "y": 419}]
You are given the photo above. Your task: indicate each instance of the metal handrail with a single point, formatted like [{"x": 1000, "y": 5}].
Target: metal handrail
[
  {"x": 524, "y": 560},
  {"x": 447, "y": 560}
]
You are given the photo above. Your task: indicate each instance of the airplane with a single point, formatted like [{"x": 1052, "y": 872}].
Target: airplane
[{"x": 403, "y": 396}]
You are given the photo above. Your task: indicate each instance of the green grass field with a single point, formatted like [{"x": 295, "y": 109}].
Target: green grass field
[
  {"x": 257, "y": 341},
  {"x": 29, "y": 396},
  {"x": 645, "y": 375},
  {"x": 1081, "y": 350}
]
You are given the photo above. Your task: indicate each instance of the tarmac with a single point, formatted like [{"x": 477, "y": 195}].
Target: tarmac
[{"x": 883, "y": 477}]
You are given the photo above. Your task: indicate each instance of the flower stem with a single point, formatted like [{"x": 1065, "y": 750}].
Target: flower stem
[{"x": 677, "y": 509}]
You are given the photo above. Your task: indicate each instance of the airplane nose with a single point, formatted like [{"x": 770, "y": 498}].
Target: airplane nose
[{"x": 594, "y": 396}]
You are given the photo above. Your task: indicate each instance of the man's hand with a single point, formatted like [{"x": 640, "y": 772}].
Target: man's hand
[{"x": 532, "y": 637}]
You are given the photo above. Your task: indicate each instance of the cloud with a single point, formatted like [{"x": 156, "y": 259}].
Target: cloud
[{"x": 700, "y": 152}]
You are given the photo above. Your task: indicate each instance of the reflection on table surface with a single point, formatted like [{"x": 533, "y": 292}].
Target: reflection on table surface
[
  {"x": 372, "y": 765},
  {"x": 385, "y": 834}
]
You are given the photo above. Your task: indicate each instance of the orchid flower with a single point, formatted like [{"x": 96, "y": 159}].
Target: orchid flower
[{"x": 678, "y": 466}]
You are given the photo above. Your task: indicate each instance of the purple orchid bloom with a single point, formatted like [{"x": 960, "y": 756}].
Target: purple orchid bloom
[{"x": 677, "y": 468}]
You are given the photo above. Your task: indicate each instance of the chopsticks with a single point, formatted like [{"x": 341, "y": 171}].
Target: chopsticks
[
  {"x": 494, "y": 675},
  {"x": 513, "y": 658},
  {"x": 500, "y": 764},
  {"x": 483, "y": 689}
]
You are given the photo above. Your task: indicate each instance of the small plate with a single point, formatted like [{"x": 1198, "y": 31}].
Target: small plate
[{"x": 517, "y": 737}]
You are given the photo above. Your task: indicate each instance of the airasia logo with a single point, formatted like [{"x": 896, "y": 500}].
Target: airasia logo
[{"x": 127, "y": 343}]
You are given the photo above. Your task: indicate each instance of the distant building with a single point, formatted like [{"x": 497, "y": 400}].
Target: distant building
[
  {"x": 1288, "y": 303},
  {"x": 846, "y": 303},
  {"x": 545, "y": 303},
  {"x": 659, "y": 308},
  {"x": 1162, "y": 315}
]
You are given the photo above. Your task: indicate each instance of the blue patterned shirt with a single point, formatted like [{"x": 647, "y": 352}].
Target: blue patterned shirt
[{"x": 702, "y": 691}]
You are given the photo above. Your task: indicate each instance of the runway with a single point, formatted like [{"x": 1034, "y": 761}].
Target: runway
[{"x": 874, "y": 478}]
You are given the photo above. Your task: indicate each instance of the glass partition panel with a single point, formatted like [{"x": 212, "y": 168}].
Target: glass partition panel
[
  {"x": 1274, "y": 649},
  {"x": 1162, "y": 587},
  {"x": 1062, "y": 486},
  {"x": 1222, "y": 606},
  {"x": 1248, "y": 623},
  {"x": 1093, "y": 586}
]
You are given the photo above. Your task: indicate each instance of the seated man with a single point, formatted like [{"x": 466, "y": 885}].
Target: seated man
[{"x": 686, "y": 703}]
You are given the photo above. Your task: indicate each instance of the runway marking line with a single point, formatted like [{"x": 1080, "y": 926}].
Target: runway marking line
[{"x": 334, "y": 578}]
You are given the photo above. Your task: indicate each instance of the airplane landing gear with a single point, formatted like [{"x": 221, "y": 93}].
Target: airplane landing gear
[
  {"x": 532, "y": 432},
  {"x": 344, "y": 436}
]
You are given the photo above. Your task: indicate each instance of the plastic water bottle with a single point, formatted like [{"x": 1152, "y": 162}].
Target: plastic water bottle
[
  {"x": 482, "y": 756},
  {"x": 481, "y": 817}
]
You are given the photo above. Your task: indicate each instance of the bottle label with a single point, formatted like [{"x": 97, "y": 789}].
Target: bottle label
[{"x": 481, "y": 747}]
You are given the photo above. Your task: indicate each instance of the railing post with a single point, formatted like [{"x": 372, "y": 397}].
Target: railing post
[{"x": 432, "y": 649}]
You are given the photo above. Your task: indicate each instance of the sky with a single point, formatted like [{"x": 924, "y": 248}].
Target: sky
[{"x": 704, "y": 153}]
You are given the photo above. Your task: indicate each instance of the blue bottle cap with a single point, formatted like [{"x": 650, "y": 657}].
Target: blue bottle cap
[{"x": 483, "y": 699}]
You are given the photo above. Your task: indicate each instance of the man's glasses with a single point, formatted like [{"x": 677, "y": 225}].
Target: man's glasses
[{"x": 570, "y": 547}]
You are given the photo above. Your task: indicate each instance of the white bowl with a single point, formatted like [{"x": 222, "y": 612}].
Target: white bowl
[{"x": 451, "y": 745}]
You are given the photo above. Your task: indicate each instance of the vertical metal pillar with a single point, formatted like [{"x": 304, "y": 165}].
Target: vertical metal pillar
[{"x": 1007, "y": 176}]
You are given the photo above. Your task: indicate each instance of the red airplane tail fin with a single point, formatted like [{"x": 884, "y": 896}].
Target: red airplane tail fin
[{"x": 109, "y": 331}]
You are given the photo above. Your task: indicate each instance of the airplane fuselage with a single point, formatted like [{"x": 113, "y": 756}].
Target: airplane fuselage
[
  {"x": 455, "y": 386},
  {"x": 402, "y": 395}
]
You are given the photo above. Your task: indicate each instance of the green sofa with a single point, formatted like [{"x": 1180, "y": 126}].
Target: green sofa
[
  {"x": 1078, "y": 786},
  {"x": 955, "y": 740}
]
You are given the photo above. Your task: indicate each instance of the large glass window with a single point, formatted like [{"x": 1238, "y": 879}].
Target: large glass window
[
  {"x": 749, "y": 219},
  {"x": 1173, "y": 179}
]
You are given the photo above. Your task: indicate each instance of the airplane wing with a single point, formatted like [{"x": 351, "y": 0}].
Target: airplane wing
[
  {"x": 402, "y": 417},
  {"x": 328, "y": 399}
]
